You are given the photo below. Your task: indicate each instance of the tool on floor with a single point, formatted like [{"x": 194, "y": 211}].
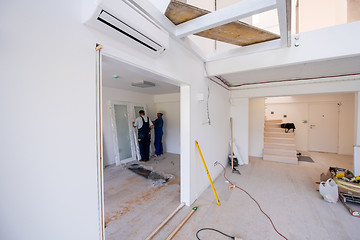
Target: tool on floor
[
  {"x": 165, "y": 221},
  {"x": 182, "y": 223},
  {"x": 234, "y": 170},
  {"x": 207, "y": 173},
  {"x": 351, "y": 199}
]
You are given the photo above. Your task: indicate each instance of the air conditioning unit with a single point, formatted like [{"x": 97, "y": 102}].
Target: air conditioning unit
[{"x": 120, "y": 17}]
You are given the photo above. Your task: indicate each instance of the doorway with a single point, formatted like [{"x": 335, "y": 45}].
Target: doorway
[
  {"x": 137, "y": 195},
  {"x": 324, "y": 122}
]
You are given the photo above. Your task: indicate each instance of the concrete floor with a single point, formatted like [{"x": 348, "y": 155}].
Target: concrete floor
[
  {"x": 287, "y": 193},
  {"x": 133, "y": 203}
]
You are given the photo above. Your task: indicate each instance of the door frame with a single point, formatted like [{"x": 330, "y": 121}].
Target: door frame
[{"x": 185, "y": 126}]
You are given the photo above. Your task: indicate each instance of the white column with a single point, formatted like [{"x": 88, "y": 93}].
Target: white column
[
  {"x": 185, "y": 144},
  {"x": 256, "y": 126},
  {"x": 240, "y": 113},
  {"x": 357, "y": 135}
]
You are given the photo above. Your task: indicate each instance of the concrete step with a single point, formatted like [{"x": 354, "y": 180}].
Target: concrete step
[
  {"x": 279, "y": 134},
  {"x": 280, "y": 151},
  {"x": 269, "y": 129},
  {"x": 289, "y": 146},
  {"x": 279, "y": 140},
  {"x": 279, "y": 158},
  {"x": 272, "y": 125},
  {"x": 273, "y": 121}
]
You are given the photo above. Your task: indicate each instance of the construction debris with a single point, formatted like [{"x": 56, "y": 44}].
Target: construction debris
[
  {"x": 344, "y": 198},
  {"x": 157, "y": 178},
  {"x": 329, "y": 191},
  {"x": 348, "y": 186},
  {"x": 345, "y": 179}
]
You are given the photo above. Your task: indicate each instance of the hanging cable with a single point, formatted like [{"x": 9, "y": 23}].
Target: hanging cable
[
  {"x": 253, "y": 200},
  {"x": 207, "y": 105}
]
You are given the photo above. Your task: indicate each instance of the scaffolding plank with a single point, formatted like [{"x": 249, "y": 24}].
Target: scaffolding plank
[{"x": 237, "y": 33}]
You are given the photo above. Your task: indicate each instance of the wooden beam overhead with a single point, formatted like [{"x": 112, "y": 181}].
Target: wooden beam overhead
[
  {"x": 222, "y": 16},
  {"x": 236, "y": 32}
]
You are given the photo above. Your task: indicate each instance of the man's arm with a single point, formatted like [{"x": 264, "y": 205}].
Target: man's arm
[
  {"x": 151, "y": 124},
  {"x": 135, "y": 124}
]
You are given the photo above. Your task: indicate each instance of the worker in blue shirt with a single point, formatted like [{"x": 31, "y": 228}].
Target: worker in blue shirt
[
  {"x": 144, "y": 125},
  {"x": 158, "y": 123}
]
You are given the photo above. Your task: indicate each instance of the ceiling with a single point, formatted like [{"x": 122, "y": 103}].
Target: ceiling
[
  {"x": 128, "y": 74},
  {"x": 305, "y": 70}
]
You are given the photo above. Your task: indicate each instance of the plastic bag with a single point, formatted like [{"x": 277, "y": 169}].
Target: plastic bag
[{"x": 329, "y": 191}]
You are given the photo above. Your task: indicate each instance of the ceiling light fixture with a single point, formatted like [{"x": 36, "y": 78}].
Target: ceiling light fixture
[{"x": 143, "y": 84}]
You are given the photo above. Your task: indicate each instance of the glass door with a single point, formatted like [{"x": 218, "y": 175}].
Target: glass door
[
  {"x": 123, "y": 132},
  {"x": 137, "y": 108},
  {"x": 125, "y": 142}
]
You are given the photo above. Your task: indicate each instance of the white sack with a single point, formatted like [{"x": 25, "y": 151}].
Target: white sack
[{"x": 329, "y": 191}]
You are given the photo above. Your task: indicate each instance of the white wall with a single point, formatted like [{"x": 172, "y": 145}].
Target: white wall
[
  {"x": 169, "y": 105},
  {"x": 213, "y": 138},
  {"x": 357, "y": 136},
  {"x": 321, "y": 14},
  {"x": 48, "y": 144},
  {"x": 240, "y": 114},
  {"x": 113, "y": 94},
  {"x": 48, "y": 103},
  {"x": 256, "y": 126},
  {"x": 296, "y": 108}
]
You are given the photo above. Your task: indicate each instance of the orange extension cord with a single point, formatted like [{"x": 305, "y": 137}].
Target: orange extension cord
[{"x": 254, "y": 201}]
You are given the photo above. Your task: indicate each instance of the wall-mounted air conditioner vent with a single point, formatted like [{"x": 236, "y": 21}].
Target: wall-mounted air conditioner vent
[
  {"x": 117, "y": 17},
  {"x": 127, "y": 30}
]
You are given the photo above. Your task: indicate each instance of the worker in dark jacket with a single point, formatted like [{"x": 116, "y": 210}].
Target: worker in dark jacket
[
  {"x": 158, "y": 123},
  {"x": 144, "y": 126}
]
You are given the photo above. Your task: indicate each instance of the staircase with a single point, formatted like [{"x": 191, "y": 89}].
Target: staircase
[{"x": 278, "y": 145}]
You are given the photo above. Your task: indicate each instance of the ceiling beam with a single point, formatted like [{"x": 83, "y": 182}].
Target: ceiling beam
[
  {"x": 284, "y": 16},
  {"x": 311, "y": 49},
  {"x": 259, "y": 47},
  {"x": 154, "y": 14},
  {"x": 220, "y": 17}
]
